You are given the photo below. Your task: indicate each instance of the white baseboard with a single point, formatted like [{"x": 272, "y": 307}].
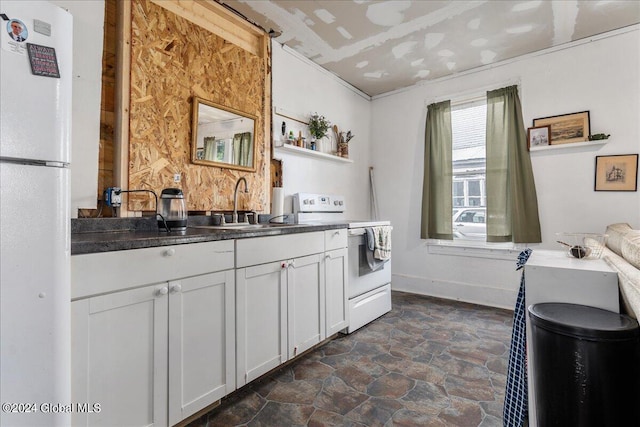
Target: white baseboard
[{"x": 465, "y": 292}]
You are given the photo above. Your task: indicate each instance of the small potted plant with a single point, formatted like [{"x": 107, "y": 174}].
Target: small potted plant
[
  {"x": 343, "y": 143},
  {"x": 318, "y": 126}
]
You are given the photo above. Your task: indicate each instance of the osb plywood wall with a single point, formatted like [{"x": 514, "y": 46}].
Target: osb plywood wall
[{"x": 173, "y": 60}]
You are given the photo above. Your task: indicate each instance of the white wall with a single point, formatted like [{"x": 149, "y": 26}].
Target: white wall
[
  {"x": 303, "y": 88},
  {"x": 88, "y": 24},
  {"x": 601, "y": 75}
]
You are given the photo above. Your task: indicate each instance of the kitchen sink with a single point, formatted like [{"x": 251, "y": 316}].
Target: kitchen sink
[{"x": 241, "y": 226}]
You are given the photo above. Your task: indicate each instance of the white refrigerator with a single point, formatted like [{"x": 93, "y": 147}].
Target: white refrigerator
[{"x": 35, "y": 133}]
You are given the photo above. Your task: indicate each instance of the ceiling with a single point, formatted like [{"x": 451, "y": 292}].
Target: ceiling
[{"x": 381, "y": 46}]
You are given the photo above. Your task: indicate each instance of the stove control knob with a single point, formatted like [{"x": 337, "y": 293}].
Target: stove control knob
[
  {"x": 341, "y": 203},
  {"x": 305, "y": 202},
  {"x": 312, "y": 202}
]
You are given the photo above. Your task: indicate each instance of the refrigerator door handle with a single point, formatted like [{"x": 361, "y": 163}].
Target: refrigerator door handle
[{"x": 33, "y": 162}]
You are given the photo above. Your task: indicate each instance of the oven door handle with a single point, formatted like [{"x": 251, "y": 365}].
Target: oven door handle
[{"x": 358, "y": 231}]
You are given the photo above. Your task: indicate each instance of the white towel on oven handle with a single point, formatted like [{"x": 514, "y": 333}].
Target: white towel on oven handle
[
  {"x": 379, "y": 241},
  {"x": 374, "y": 264}
]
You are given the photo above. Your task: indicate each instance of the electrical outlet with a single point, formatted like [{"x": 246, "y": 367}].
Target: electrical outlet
[
  {"x": 176, "y": 177},
  {"x": 113, "y": 197}
]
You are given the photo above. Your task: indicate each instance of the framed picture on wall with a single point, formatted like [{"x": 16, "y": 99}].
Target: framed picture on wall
[
  {"x": 617, "y": 173},
  {"x": 538, "y": 136},
  {"x": 567, "y": 128}
]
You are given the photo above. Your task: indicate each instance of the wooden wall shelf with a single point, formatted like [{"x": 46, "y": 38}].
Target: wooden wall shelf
[
  {"x": 570, "y": 145},
  {"x": 299, "y": 151}
]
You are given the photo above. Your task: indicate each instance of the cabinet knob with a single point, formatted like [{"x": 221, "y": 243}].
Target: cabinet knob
[
  {"x": 284, "y": 265},
  {"x": 176, "y": 288},
  {"x": 170, "y": 252},
  {"x": 162, "y": 291}
]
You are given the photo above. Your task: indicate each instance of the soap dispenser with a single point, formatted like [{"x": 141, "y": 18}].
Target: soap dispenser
[{"x": 173, "y": 209}]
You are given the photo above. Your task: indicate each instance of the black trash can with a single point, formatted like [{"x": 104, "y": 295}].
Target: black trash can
[{"x": 586, "y": 366}]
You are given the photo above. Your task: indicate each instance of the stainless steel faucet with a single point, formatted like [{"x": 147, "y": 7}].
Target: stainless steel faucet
[{"x": 234, "y": 219}]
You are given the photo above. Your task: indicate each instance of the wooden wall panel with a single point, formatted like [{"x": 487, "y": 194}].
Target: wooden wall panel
[
  {"x": 172, "y": 60},
  {"x": 106, "y": 176}
]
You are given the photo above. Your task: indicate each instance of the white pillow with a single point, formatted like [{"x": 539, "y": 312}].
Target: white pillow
[
  {"x": 631, "y": 248},
  {"x": 616, "y": 233}
]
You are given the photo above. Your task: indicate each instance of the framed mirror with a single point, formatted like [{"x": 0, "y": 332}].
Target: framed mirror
[{"x": 222, "y": 136}]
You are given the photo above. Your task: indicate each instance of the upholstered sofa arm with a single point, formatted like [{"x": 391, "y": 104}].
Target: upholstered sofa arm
[{"x": 623, "y": 255}]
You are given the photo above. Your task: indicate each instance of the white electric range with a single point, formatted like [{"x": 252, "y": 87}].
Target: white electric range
[{"x": 369, "y": 291}]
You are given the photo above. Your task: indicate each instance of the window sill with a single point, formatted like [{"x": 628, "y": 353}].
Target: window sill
[{"x": 476, "y": 249}]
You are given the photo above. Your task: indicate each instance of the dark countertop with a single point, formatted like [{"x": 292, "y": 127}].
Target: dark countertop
[{"x": 116, "y": 234}]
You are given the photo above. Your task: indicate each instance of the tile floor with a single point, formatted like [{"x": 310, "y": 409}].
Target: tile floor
[{"x": 429, "y": 362}]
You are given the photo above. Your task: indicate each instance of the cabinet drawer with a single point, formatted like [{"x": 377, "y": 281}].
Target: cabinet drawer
[
  {"x": 104, "y": 272},
  {"x": 261, "y": 250},
  {"x": 335, "y": 239}
]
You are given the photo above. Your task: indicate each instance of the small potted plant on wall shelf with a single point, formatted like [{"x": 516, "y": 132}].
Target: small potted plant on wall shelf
[
  {"x": 318, "y": 127},
  {"x": 343, "y": 143}
]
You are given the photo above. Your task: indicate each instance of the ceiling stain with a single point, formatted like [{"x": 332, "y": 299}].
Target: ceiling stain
[{"x": 382, "y": 46}]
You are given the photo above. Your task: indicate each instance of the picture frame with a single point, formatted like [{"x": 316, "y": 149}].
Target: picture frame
[
  {"x": 616, "y": 173},
  {"x": 567, "y": 128},
  {"x": 538, "y": 136}
]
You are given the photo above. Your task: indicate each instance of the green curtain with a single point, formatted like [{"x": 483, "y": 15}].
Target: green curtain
[
  {"x": 237, "y": 158},
  {"x": 242, "y": 149},
  {"x": 438, "y": 173},
  {"x": 512, "y": 205},
  {"x": 210, "y": 148},
  {"x": 247, "y": 150}
]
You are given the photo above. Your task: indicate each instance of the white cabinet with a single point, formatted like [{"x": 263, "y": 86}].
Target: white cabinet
[
  {"x": 337, "y": 300},
  {"x": 261, "y": 308},
  {"x": 280, "y": 313},
  {"x": 554, "y": 276},
  {"x": 306, "y": 303},
  {"x": 201, "y": 342},
  {"x": 161, "y": 333},
  {"x": 336, "y": 291},
  {"x": 280, "y": 300},
  {"x": 154, "y": 354},
  {"x": 119, "y": 357}
]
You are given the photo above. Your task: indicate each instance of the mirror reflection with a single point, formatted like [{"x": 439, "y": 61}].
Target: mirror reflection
[{"x": 222, "y": 136}]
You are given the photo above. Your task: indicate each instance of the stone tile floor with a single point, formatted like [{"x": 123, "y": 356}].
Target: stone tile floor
[{"x": 429, "y": 362}]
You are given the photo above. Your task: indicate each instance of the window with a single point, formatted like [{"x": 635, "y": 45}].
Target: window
[
  {"x": 461, "y": 126},
  {"x": 468, "y": 125},
  {"x": 468, "y": 190}
]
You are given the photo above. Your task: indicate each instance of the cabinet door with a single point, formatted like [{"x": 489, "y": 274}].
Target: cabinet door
[
  {"x": 261, "y": 316},
  {"x": 306, "y": 303},
  {"x": 337, "y": 306},
  {"x": 201, "y": 342},
  {"x": 119, "y": 357}
]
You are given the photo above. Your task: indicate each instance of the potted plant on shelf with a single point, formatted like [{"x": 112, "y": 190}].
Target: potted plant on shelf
[
  {"x": 343, "y": 143},
  {"x": 318, "y": 128}
]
